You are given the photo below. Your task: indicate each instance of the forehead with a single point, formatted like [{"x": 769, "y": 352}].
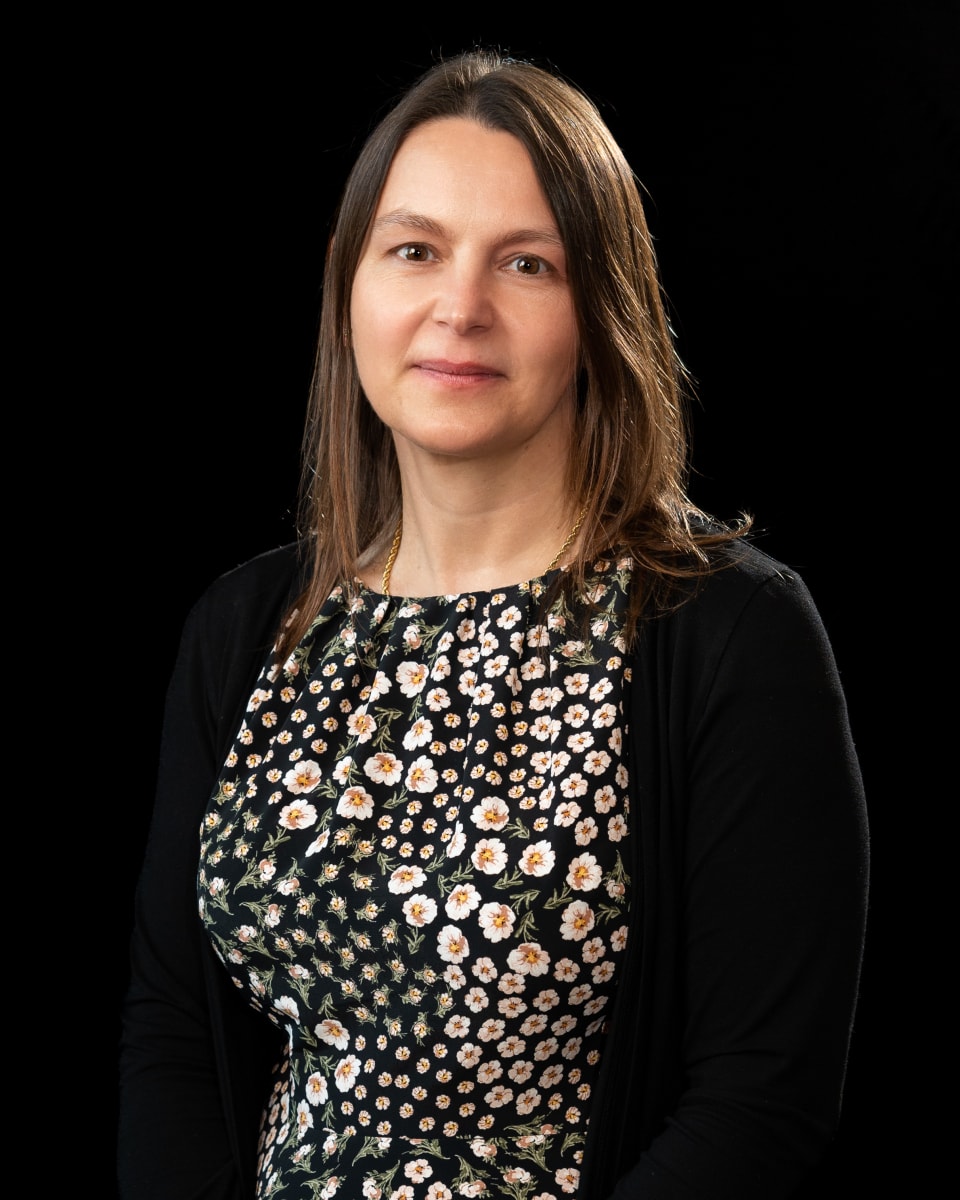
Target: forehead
[{"x": 459, "y": 166}]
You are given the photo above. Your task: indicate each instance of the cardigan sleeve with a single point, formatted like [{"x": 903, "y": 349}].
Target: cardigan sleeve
[
  {"x": 178, "y": 1131},
  {"x": 757, "y": 837}
]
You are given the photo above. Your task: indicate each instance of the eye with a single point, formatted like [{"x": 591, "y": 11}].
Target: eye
[
  {"x": 413, "y": 252},
  {"x": 529, "y": 264}
]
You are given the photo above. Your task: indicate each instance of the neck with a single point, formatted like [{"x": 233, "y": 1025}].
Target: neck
[{"x": 493, "y": 534}]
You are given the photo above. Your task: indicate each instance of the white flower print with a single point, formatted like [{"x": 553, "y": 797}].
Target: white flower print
[
  {"x": 593, "y": 950},
  {"x": 596, "y": 762},
  {"x": 418, "y": 1170},
  {"x": 304, "y": 1119},
  {"x": 573, "y": 785},
  {"x": 485, "y": 969},
  {"x": 347, "y": 1072},
  {"x": 319, "y": 843},
  {"x": 298, "y": 815},
  {"x": 538, "y": 859},
  {"x": 361, "y": 725},
  {"x": 569, "y": 1180},
  {"x": 544, "y": 728},
  {"x": 469, "y": 1054},
  {"x": 288, "y": 1006},
  {"x": 457, "y": 843},
  {"x": 509, "y": 617},
  {"x": 511, "y": 1006},
  {"x": 454, "y": 977},
  {"x": 421, "y": 777},
  {"x": 603, "y": 687},
  {"x": 383, "y": 768},
  {"x": 496, "y": 666},
  {"x": 302, "y": 778},
  {"x": 567, "y": 813},
  {"x": 356, "y": 803},
  {"x": 412, "y": 677},
  {"x": 529, "y": 959},
  {"x": 420, "y": 909},
  {"x": 317, "y": 1089},
  {"x": 585, "y": 873},
  {"x": 577, "y": 921},
  {"x": 496, "y": 921},
  {"x": 585, "y": 831},
  {"x": 468, "y": 683},
  {"x": 491, "y": 813},
  {"x": 616, "y": 828},
  {"x": 419, "y": 734},
  {"x": 333, "y": 1033},
  {"x": 341, "y": 772},
  {"x": 511, "y": 1046},
  {"x": 489, "y": 1072},
  {"x": 462, "y": 901},
  {"x": 576, "y": 715},
  {"x": 567, "y": 970},
  {"x": 405, "y": 878},
  {"x": 438, "y": 699},
  {"x": 604, "y": 799},
  {"x": 476, "y": 999},
  {"x": 577, "y": 683},
  {"x": 543, "y": 698},
  {"x": 490, "y": 856},
  {"x": 445, "y": 1041},
  {"x": 452, "y": 944},
  {"x": 541, "y": 761},
  {"x": 458, "y": 1026},
  {"x": 601, "y": 973}
]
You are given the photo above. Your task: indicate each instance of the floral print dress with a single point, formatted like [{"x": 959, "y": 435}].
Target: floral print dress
[{"x": 413, "y": 864}]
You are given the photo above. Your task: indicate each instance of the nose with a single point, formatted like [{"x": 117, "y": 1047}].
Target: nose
[{"x": 464, "y": 301}]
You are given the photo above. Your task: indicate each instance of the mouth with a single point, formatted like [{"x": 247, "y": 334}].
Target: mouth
[{"x": 457, "y": 374}]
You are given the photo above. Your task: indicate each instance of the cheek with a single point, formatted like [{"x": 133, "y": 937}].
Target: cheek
[
  {"x": 366, "y": 331},
  {"x": 564, "y": 348}
]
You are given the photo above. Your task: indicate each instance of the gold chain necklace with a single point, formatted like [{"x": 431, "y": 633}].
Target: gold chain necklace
[{"x": 395, "y": 546}]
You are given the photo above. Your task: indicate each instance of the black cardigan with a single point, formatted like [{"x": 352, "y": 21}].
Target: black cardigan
[{"x": 727, "y": 1044}]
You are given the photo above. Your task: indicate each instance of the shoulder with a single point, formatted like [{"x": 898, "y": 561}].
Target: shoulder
[
  {"x": 751, "y": 613},
  {"x": 224, "y": 644},
  {"x": 743, "y": 578},
  {"x": 271, "y": 574},
  {"x": 248, "y": 600},
  {"x": 233, "y": 624}
]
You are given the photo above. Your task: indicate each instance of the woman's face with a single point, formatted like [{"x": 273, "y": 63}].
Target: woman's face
[{"x": 461, "y": 313}]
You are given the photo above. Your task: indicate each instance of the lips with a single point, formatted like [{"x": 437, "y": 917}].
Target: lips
[{"x": 457, "y": 372}]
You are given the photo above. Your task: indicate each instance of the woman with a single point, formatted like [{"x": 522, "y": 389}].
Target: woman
[{"x": 532, "y": 854}]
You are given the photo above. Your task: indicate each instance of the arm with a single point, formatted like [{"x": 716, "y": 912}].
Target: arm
[
  {"x": 765, "y": 826},
  {"x": 179, "y": 1111}
]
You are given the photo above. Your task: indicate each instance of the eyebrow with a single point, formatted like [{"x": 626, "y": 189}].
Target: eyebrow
[{"x": 408, "y": 219}]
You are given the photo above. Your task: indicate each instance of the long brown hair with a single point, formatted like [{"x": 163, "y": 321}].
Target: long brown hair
[{"x": 628, "y": 465}]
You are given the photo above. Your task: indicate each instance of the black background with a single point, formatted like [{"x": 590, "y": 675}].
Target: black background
[{"x": 801, "y": 183}]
